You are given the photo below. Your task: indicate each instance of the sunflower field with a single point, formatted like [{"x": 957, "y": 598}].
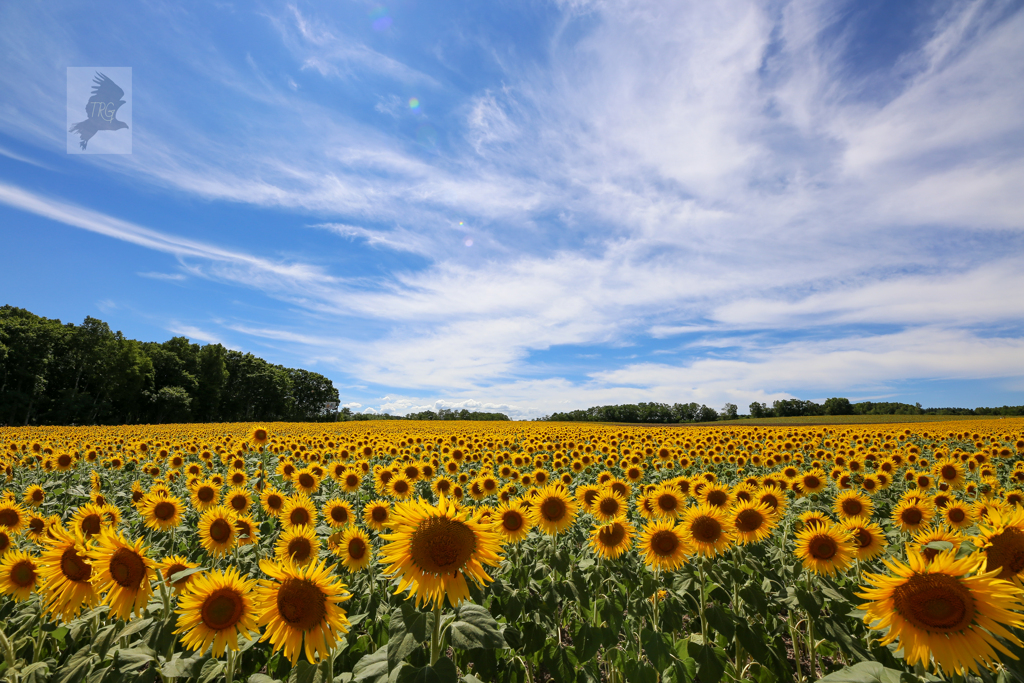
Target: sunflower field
[{"x": 393, "y": 552}]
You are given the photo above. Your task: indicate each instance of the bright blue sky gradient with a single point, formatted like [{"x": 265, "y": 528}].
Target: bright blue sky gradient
[{"x": 539, "y": 206}]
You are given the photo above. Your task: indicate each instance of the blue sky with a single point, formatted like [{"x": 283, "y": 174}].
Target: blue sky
[{"x": 536, "y": 206}]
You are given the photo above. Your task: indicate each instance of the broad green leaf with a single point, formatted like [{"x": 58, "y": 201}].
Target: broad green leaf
[
  {"x": 442, "y": 671},
  {"x": 864, "y": 672},
  {"x": 709, "y": 666},
  {"x": 475, "y": 627}
]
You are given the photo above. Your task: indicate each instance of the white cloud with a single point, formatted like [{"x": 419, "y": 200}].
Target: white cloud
[{"x": 171, "y": 277}]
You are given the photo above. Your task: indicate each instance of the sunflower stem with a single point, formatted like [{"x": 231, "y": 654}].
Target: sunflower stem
[
  {"x": 435, "y": 636},
  {"x": 39, "y": 638},
  {"x": 793, "y": 636},
  {"x": 703, "y": 603}
]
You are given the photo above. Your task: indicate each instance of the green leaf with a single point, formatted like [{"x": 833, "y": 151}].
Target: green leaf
[
  {"x": 134, "y": 626},
  {"x": 586, "y": 642},
  {"x": 585, "y": 563},
  {"x": 304, "y": 672},
  {"x": 559, "y": 661},
  {"x": 262, "y": 678},
  {"x": 657, "y": 647},
  {"x": 754, "y": 640},
  {"x": 941, "y": 546},
  {"x": 135, "y": 657},
  {"x": 864, "y": 672},
  {"x": 442, "y": 671},
  {"x": 721, "y": 620},
  {"x": 640, "y": 672},
  {"x": 185, "y": 573},
  {"x": 372, "y": 667},
  {"x": 211, "y": 671},
  {"x": 418, "y": 623},
  {"x": 475, "y": 627},
  {"x": 709, "y": 666}
]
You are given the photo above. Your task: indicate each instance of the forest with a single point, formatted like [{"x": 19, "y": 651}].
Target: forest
[{"x": 52, "y": 373}]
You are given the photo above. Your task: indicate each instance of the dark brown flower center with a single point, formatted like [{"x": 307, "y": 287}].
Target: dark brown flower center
[
  {"x": 441, "y": 545},
  {"x": 127, "y": 568},
  {"x": 706, "y": 529},
  {"x": 222, "y": 609},
  {"x": 220, "y": 531},
  {"x": 935, "y": 602},
  {"x": 665, "y": 542},
  {"x": 301, "y": 603},
  {"x": 164, "y": 510}
]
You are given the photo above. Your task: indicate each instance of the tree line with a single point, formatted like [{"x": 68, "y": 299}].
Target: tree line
[
  {"x": 442, "y": 414},
  {"x": 61, "y": 374},
  {"x": 663, "y": 413}
]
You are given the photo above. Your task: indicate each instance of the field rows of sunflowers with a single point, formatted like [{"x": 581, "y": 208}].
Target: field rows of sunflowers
[{"x": 512, "y": 552}]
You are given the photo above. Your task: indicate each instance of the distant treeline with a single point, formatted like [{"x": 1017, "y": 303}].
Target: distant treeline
[
  {"x": 54, "y": 373},
  {"x": 442, "y": 414},
  {"x": 693, "y": 412}
]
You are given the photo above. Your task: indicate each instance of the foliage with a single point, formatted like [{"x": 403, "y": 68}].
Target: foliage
[{"x": 52, "y": 373}]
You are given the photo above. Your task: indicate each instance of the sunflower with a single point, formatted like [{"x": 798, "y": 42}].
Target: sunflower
[
  {"x": 161, "y": 514},
  {"x": 66, "y": 575},
  {"x": 432, "y": 549},
  {"x": 215, "y": 610},
  {"x": 36, "y": 527},
  {"x": 912, "y": 515},
  {"x": 667, "y": 502},
  {"x": 813, "y": 481},
  {"x": 923, "y": 538},
  {"x": 957, "y": 514},
  {"x": 399, "y": 487},
  {"x": 752, "y": 522},
  {"x": 299, "y": 544},
  {"x": 950, "y": 472},
  {"x": 337, "y": 512},
  {"x": 665, "y": 544},
  {"x": 376, "y": 514},
  {"x": 1002, "y": 541},
  {"x": 217, "y": 531},
  {"x": 608, "y": 506},
  {"x": 825, "y": 549},
  {"x": 938, "y": 611},
  {"x": 175, "y": 564},
  {"x": 5, "y": 542},
  {"x": 306, "y": 481},
  {"x": 852, "y": 504},
  {"x": 122, "y": 573},
  {"x": 587, "y": 495},
  {"x": 19, "y": 574},
  {"x": 354, "y": 548},
  {"x": 300, "y": 608},
  {"x": 272, "y": 501},
  {"x": 350, "y": 481},
  {"x": 813, "y": 518},
  {"x": 613, "y": 539},
  {"x": 716, "y": 496},
  {"x": 89, "y": 520},
  {"x": 707, "y": 529},
  {"x": 12, "y": 516},
  {"x": 513, "y": 521},
  {"x": 553, "y": 510},
  {"x": 246, "y": 530},
  {"x": 773, "y": 497},
  {"x": 298, "y": 511},
  {"x": 868, "y": 538},
  {"x": 259, "y": 436},
  {"x": 238, "y": 499},
  {"x": 34, "y": 496},
  {"x": 205, "y": 495}
]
